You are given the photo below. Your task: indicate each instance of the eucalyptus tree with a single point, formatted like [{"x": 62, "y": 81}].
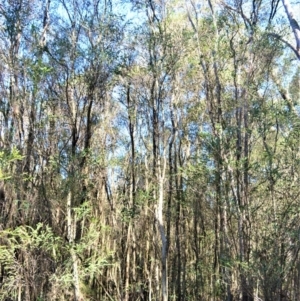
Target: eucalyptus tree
[
  {"x": 20, "y": 111},
  {"x": 83, "y": 50},
  {"x": 151, "y": 91},
  {"x": 156, "y": 159},
  {"x": 294, "y": 25},
  {"x": 236, "y": 64},
  {"x": 55, "y": 88}
]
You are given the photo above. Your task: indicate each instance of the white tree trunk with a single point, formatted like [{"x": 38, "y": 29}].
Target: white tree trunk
[
  {"x": 160, "y": 221},
  {"x": 164, "y": 276},
  {"x": 294, "y": 24}
]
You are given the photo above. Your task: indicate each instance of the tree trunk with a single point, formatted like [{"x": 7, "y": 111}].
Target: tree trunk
[{"x": 294, "y": 24}]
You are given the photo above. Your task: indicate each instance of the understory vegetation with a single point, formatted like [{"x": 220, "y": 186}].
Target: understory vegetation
[{"x": 149, "y": 150}]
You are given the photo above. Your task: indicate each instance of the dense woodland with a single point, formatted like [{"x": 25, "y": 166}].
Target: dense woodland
[{"x": 149, "y": 150}]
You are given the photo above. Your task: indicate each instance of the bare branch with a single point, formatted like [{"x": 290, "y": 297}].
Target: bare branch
[
  {"x": 278, "y": 37},
  {"x": 294, "y": 24}
]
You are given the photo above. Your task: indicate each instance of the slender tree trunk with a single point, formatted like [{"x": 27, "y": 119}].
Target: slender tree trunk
[
  {"x": 164, "y": 250},
  {"x": 294, "y": 24},
  {"x": 71, "y": 225}
]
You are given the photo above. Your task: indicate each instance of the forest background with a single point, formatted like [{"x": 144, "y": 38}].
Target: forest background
[{"x": 149, "y": 150}]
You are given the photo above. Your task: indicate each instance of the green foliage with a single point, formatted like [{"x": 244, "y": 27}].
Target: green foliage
[
  {"x": 198, "y": 97},
  {"x": 6, "y": 160}
]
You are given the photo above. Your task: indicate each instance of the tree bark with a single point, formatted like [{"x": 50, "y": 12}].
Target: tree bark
[{"x": 294, "y": 24}]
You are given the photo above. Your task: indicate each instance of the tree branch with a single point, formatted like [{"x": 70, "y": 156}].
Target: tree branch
[{"x": 278, "y": 37}]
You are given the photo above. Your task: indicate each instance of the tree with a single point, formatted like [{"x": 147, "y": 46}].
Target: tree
[{"x": 152, "y": 155}]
